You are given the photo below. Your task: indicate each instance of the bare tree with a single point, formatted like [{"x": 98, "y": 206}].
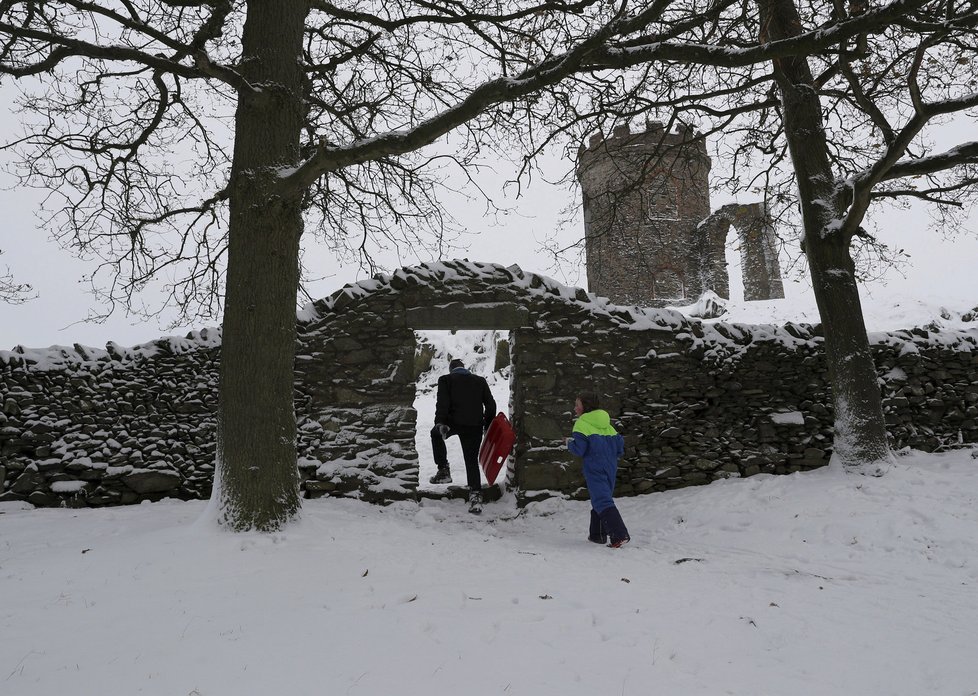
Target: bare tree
[
  {"x": 128, "y": 109},
  {"x": 824, "y": 134},
  {"x": 883, "y": 91},
  {"x": 11, "y": 291}
]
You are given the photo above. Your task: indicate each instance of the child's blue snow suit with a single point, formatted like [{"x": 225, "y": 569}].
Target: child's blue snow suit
[{"x": 600, "y": 446}]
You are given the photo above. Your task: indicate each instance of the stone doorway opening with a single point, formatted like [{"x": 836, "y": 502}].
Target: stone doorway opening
[
  {"x": 735, "y": 265},
  {"x": 485, "y": 353}
]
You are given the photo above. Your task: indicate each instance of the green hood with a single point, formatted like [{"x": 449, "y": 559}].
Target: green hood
[{"x": 596, "y": 422}]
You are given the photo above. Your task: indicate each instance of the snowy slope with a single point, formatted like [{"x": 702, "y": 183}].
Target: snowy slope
[{"x": 811, "y": 584}]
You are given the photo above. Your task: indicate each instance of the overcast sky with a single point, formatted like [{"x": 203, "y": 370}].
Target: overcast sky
[{"x": 942, "y": 271}]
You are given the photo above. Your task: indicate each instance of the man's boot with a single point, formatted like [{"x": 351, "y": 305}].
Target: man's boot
[
  {"x": 443, "y": 476},
  {"x": 475, "y": 502}
]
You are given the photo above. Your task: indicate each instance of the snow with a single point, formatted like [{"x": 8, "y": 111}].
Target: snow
[
  {"x": 814, "y": 584},
  {"x": 67, "y": 486},
  {"x": 62, "y": 357},
  {"x": 882, "y": 310}
]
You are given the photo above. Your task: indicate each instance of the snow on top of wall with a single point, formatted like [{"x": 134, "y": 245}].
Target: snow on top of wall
[
  {"x": 62, "y": 357},
  {"x": 467, "y": 273},
  {"x": 910, "y": 340},
  {"x": 722, "y": 339},
  {"x": 714, "y": 340},
  {"x": 718, "y": 340}
]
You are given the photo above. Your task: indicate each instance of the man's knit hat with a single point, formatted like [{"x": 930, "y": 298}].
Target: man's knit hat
[{"x": 455, "y": 363}]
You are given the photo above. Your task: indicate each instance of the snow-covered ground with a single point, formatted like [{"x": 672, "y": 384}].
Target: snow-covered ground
[{"x": 810, "y": 584}]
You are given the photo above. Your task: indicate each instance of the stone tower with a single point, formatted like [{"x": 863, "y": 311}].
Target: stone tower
[
  {"x": 644, "y": 195},
  {"x": 648, "y": 238}
]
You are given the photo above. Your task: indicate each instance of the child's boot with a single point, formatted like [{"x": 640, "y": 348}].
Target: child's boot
[
  {"x": 615, "y": 527},
  {"x": 596, "y": 533}
]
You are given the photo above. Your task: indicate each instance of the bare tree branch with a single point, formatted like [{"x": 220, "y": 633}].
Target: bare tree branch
[{"x": 12, "y": 292}]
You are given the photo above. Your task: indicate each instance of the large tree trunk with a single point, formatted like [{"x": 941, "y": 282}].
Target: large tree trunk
[
  {"x": 860, "y": 431},
  {"x": 257, "y": 481}
]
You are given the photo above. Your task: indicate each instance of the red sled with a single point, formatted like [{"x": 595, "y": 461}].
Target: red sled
[{"x": 496, "y": 446}]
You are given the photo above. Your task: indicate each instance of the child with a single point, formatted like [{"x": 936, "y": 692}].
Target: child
[{"x": 599, "y": 444}]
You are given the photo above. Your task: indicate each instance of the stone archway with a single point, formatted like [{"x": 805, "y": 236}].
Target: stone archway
[
  {"x": 357, "y": 358},
  {"x": 485, "y": 352},
  {"x": 758, "y": 247},
  {"x": 355, "y": 377},
  {"x": 504, "y": 316}
]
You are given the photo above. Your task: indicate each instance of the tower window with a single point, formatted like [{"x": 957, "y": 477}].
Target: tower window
[{"x": 660, "y": 199}]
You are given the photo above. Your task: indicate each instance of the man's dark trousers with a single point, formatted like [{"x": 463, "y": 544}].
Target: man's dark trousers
[{"x": 471, "y": 439}]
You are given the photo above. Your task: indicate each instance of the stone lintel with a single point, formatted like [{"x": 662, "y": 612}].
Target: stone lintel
[{"x": 462, "y": 316}]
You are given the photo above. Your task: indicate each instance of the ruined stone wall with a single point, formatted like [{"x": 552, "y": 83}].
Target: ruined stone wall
[
  {"x": 355, "y": 379},
  {"x": 359, "y": 348},
  {"x": 709, "y": 402},
  {"x": 89, "y": 427},
  {"x": 695, "y": 401},
  {"x": 82, "y": 426},
  {"x": 758, "y": 246}
]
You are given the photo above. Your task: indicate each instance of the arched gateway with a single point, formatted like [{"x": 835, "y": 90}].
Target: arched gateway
[{"x": 356, "y": 382}]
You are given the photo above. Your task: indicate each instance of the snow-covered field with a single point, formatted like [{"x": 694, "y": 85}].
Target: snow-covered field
[
  {"x": 884, "y": 309},
  {"x": 809, "y": 584}
]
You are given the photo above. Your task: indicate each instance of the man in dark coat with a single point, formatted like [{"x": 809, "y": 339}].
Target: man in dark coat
[{"x": 465, "y": 407}]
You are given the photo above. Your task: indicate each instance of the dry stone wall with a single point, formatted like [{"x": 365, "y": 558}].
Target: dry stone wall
[
  {"x": 695, "y": 401},
  {"x": 81, "y": 426},
  {"x": 757, "y": 402},
  {"x": 355, "y": 392},
  {"x": 703, "y": 402}
]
